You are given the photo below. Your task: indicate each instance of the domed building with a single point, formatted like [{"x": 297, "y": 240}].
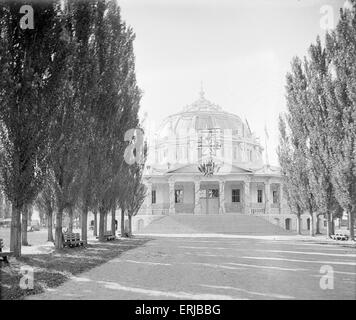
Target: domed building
[{"x": 204, "y": 160}]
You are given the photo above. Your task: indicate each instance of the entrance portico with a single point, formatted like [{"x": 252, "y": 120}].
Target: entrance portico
[
  {"x": 220, "y": 194},
  {"x": 209, "y": 197}
]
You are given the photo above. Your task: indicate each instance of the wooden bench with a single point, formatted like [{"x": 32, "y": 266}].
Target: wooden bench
[
  {"x": 4, "y": 255},
  {"x": 108, "y": 236},
  {"x": 71, "y": 239}
]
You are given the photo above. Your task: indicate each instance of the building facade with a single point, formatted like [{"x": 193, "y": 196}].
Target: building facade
[{"x": 204, "y": 160}]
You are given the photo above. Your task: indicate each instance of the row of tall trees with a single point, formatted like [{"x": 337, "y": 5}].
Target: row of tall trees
[
  {"x": 317, "y": 149},
  {"x": 68, "y": 94}
]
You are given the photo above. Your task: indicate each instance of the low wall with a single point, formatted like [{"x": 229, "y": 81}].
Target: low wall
[{"x": 280, "y": 220}]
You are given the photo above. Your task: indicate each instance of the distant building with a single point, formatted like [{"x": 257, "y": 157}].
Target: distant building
[{"x": 204, "y": 136}]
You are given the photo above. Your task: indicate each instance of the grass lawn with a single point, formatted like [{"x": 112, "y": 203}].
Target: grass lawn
[{"x": 51, "y": 270}]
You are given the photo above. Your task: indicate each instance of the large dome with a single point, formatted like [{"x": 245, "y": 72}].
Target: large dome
[
  {"x": 204, "y": 129},
  {"x": 202, "y": 115}
]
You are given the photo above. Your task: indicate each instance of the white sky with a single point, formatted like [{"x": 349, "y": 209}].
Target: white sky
[{"x": 240, "y": 49}]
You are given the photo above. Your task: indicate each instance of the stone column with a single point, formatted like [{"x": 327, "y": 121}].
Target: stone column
[
  {"x": 172, "y": 209},
  {"x": 268, "y": 196},
  {"x": 197, "y": 209},
  {"x": 149, "y": 198},
  {"x": 247, "y": 197},
  {"x": 221, "y": 197},
  {"x": 280, "y": 197}
]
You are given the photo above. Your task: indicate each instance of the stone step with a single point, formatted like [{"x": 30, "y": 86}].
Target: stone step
[{"x": 215, "y": 223}]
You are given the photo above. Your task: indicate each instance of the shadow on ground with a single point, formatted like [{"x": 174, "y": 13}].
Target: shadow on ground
[{"x": 51, "y": 270}]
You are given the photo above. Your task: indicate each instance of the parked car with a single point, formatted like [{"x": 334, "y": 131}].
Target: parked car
[{"x": 340, "y": 236}]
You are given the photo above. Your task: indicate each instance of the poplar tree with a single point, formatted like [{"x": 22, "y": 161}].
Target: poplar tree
[
  {"x": 119, "y": 105},
  {"x": 318, "y": 147},
  {"x": 321, "y": 98},
  {"x": 69, "y": 131},
  {"x": 340, "y": 88},
  {"x": 293, "y": 154},
  {"x": 136, "y": 193},
  {"x": 31, "y": 62}
]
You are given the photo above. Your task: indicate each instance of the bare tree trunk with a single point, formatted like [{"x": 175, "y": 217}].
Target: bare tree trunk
[
  {"x": 122, "y": 223},
  {"x": 50, "y": 226},
  {"x": 317, "y": 231},
  {"x": 351, "y": 216},
  {"x": 59, "y": 234},
  {"x": 113, "y": 217},
  {"x": 328, "y": 226},
  {"x": 70, "y": 213},
  {"x": 332, "y": 224},
  {"x": 299, "y": 229},
  {"x": 311, "y": 229},
  {"x": 15, "y": 233},
  {"x": 95, "y": 231},
  {"x": 101, "y": 225},
  {"x": 24, "y": 225},
  {"x": 332, "y": 227},
  {"x": 104, "y": 219},
  {"x": 130, "y": 225},
  {"x": 84, "y": 224}
]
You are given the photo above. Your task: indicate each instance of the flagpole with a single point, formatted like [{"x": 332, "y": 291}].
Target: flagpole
[
  {"x": 266, "y": 134},
  {"x": 266, "y": 152}
]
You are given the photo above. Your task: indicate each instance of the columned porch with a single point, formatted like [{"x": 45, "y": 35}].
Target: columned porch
[
  {"x": 266, "y": 197},
  {"x": 215, "y": 195}
]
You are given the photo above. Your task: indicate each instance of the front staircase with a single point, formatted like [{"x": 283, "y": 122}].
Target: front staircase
[{"x": 237, "y": 224}]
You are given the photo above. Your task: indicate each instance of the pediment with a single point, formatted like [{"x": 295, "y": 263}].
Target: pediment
[{"x": 224, "y": 169}]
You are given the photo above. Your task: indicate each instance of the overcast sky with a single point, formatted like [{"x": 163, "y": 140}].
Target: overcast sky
[{"x": 241, "y": 50}]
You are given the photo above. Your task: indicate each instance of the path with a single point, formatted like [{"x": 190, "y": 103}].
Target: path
[{"x": 217, "y": 268}]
